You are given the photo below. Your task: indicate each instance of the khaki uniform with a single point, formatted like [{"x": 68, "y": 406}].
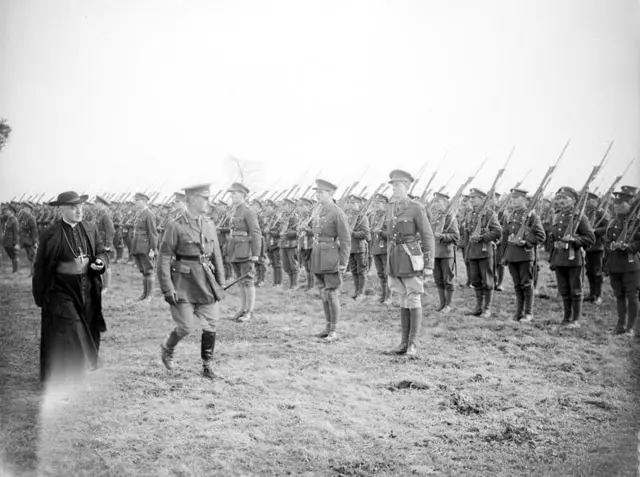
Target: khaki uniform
[{"x": 245, "y": 242}]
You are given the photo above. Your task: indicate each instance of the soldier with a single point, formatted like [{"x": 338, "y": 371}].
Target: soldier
[
  {"x": 500, "y": 247},
  {"x": 67, "y": 286},
  {"x": 273, "y": 248},
  {"x": 622, "y": 263},
  {"x": 144, "y": 244},
  {"x": 29, "y": 233},
  {"x": 118, "y": 235},
  {"x": 566, "y": 258},
  {"x": 463, "y": 245},
  {"x": 447, "y": 236},
  {"x": 11, "y": 234},
  {"x": 288, "y": 243},
  {"x": 261, "y": 264},
  {"x": 595, "y": 253},
  {"x": 379, "y": 246},
  {"x": 305, "y": 239},
  {"x": 244, "y": 249},
  {"x": 519, "y": 252},
  {"x": 360, "y": 236},
  {"x": 480, "y": 251},
  {"x": 188, "y": 250},
  {"x": 107, "y": 232},
  {"x": 331, "y": 246},
  {"x": 409, "y": 260}
]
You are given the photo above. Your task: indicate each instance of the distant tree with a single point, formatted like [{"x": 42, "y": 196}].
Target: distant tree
[{"x": 5, "y": 131}]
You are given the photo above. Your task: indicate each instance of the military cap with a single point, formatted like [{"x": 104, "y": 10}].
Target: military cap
[
  {"x": 354, "y": 198},
  {"x": 69, "y": 198},
  {"x": 568, "y": 191},
  {"x": 381, "y": 197},
  {"x": 304, "y": 200},
  {"x": 591, "y": 195},
  {"x": 257, "y": 202},
  {"x": 440, "y": 195},
  {"x": 141, "y": 196},
  {"x": 477, "y": 193},
  {"x": 624, "y": 195},
  {"x": 412, "y": 197},
  {"x": 398, "y": 175},
  {"x": 10, "y": 207},
  {"x": 497, "y": 194},
  {"x": 324, "y": 185},
  {"x": 238, "y": 187},
  {"x": 203, "y": 190},
  {"x": 179, "y": 197},
  {"x": 102, "y": 200},
  {"x": 518, "y": 192},
  {"x": 629, "y": 190}
]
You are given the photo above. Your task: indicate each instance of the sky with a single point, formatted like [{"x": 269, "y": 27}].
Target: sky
[{"x": 157, "y": 95}]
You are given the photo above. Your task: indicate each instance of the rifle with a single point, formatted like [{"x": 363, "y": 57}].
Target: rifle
[
  {"x": 579, "y": 206},
  {"x": 488, "y": 198},
  {"x": 364, "y": 210},
  {"x": 630, "y": 228},
  {"x": 505, "y": 202},
  {"x": 418, "y": 175},
  {"x": 425, "y": 192},
  {"x": 603, "y": 203},
  {"x": 346, "y": 194},
  {"x": 537, "y": 196}
]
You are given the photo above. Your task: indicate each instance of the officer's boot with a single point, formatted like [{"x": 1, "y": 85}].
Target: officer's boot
[
  {"x": 621, "y": 308},
  {"x": 145, "y": 290},
  {"x": 486, "y": 312},
  {"x": 597, "y": 282},
  {"x": 167, "y": 348},
  {"x": 518, "y": 315},
  {"x": 15, "y": 264},
  {"x": 566, "y": 309},
  {"x": 448, "y": 299},
  {"x": 207, "y": 345},
  {"x": 334, "y": 308},
  {"x": 383, "y": 290},
  {"x": 327, "y": 319},
  {"x": 279, "y": 276},
  {"x": 632, "y": 309},
  {"x": 443, "y": 299},
  {"x": 478, "y": 309},
  {"x": 405, "y": 323},
  {"x": 294, "y": 280},
  {"x": 150, "y": 281},
  {"x": 500, "y": 277},
  {"x": 309, "y": 281},
  {"x": 415, "y": 317},
  {"x": 527, "y": 295},
  {"x": 576, "y": 312}
]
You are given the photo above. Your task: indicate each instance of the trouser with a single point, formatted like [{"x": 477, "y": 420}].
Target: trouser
[
  {"x": 13, "y": 255},
  {"x": 276, "y": 264},
  {"x": 481, "y": 273},
  {"x": 443, "y": 273},
  {"x": 305, "y": 260},
  {"x": 522, "y": 275},
  {"x": 358, "y": 265},
  {"x": 625, "y": 289},
  {"x": 569, "y": 281},
  {"x": 593, "y": 269},
  {"x": 290, "y": 265}
]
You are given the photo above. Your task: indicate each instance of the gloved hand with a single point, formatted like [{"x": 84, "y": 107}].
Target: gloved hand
[
  {"x": 171, "y": 298},
  {"x": 97, "y": 265}
]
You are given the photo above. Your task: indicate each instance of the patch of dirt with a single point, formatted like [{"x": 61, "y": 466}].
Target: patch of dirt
[
  {"x": 408, "y": 384},
  {"x": 465, "y": 404}
]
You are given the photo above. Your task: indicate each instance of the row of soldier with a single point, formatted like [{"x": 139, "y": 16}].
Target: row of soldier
[{"x": 381, "y": 231}]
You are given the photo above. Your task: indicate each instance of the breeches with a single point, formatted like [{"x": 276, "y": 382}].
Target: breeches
[
  {"x": 275, "y": 257},
  {"x": 443, "y": 273},
  {"x": 11, "y": 252},
  {"x": 328, "y": 281},
  {"x": 305, "y": 258},
  {"x": 380, "y": 262},
  {"x": 624, "y": 284},
  {"x": 522, "y": 275},
  {"x": 145, "y": 266},
  {"x": 185, "y": 315},
  {"x": 408, "y": 290},
  {"x": 358, "y": 263},
  {"x": 569, "y": 281},
  {"x": 290, "y": 260},
  {"x": 481, "y": 273},
  {"x": 245, "y": 268}
]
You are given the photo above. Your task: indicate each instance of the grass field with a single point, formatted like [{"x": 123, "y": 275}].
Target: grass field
[{"x": 485, "y": 397}]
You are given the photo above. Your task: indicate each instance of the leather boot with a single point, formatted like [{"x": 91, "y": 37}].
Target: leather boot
[
  {"x": 486, "y": 312},
  {"x": 334, "y": 309},
  {"x": 383, "y": 290},
  {"x": 279, "y": 282},
  {"x": 294, "y": 280},
  {"x": 145, "y": 292},
  {"x": 566, "y": 307},
  {"x": 207, "y": 345},
  {"x": 309, "y": 281},
  {"x": 405, "y": 323},
  {"x": 149, "y": 287},
  {"x": 519, "y": 314},
  {"x": 15, "y": 264},
  {"x": 478, "y": 309},
  {"x": 527, "y": 295},
  {"x": 576, "y": 312},
  {"x": 448, "y": 299},
  {"x": 327, "y": 319},
  {"x": 415, "y": 319},
  {"x": 621, "y": 308},
  {"x": 167, "y": 348},
  {"x": 632, "y": 312},
  {"x": 443, "y": 300},
  {"x": 499, "y": 277}
]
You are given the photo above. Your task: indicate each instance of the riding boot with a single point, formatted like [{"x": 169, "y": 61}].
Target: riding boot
[
  {"x": 566, "y": 306},
  {"x": 327, "y": 320},
  {"x": 519, "y": 305},
  {"x": 207, "y": 345},
  {"x": 415, "y": 319},
  {"x": 527, "y": 295},
  {"x": 621, "y": 308},
  {"x": 167, "y": 348},
  {"x": 443, "y": 299},
  {"x": 499, "y": 277},
  {"x": 576, "y": 309},
  {"x": 486, "y": 312},
  {"x": 294, "y": 280},
  {"x": 448, "y": 299},
  {"x": 479, "y": 297},
  {"x": 334, "y": 308},
  {"x": 150, "y": 281},
  {"x": 145, "y": 291},
  {"x": 632, "y": 309},
  {"x": 405, "y": 323}
]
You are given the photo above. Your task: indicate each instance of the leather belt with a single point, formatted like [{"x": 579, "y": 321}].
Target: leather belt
[
  {"x": 73, "y": 268},
  {"x": 400, "y": 241},
  {"x": 239, "y": 234},
  {"x": 326, "y": 239},
  {"x": 188, "y": 258}
]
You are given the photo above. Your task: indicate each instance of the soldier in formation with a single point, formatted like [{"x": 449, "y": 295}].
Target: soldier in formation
[{"x": 144, "y": 244}]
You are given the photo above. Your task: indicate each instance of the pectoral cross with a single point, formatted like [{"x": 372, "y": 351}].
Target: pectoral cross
[{"x": 82, "y": 256}]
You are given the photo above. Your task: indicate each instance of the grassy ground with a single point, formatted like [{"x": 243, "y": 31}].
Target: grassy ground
[{"x": 484, "y": 397}]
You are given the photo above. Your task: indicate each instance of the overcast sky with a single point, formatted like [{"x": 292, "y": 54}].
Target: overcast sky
[{"x": 146, "y": 94}]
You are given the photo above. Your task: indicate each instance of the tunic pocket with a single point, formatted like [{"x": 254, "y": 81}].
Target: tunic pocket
[
  {"x": 415, "y": 255},
  {"x": 329, "y": 257},
  {"x": 241, "y": 249}
]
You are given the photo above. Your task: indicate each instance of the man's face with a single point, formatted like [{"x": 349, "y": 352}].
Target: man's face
[
  {"x": 256, "y": 208},
  {"x": 198, "y": 204},
  {"x": 140, "y": 203},
  {"x": 563, "y": 201},
  {"x": 591, "y": 202},
  {"x": 323, "y": 196},
  {"x": 352, "y": 205},
  {"x": 621, "y": 208},
  {"x": 439, "y": 204},
  {"x": 517, "y": 202},
  {"x": 179, "y": 206},
  {"x": 72, "y": 213},
  {"x": 475, "y": 201},
  {"x": 400, "y": 188},
  {"x": 237, "y": 197}
]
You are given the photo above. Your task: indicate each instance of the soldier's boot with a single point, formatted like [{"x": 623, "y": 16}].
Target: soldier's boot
[
  {"x": 527, "y": 296},
  {"x": 500, "y": 277},
  {"x": 415, "y": 320},
  {"x": 597, "y": 299},
  {"x": 327, "y": 320},
  {"x": 478, "y": 309},
  {"x": 15, "y": 265},
  {"x": 566, "y": 309},
  {"x": 621, "y": 309},
  {"x": 576, "y": 312},
  {"x": 486, "y": 311},
  {"x": 294, "y": 280},
  {"x": 383, "y": 290},
  {"x": 167, "y": 347},
  {"x": 443, "y": 300},
  {"x": 405, "y": 323},
  {"x": 519, "y": 314},
  {"x": 207, "y": 345},
  {"x": 150, "y": 282},
  {"x": 145, "y": 290},
  {"x": 309, "y": 281},
  {"x": 632, "y": 312},
  {"x": 250, "y": 293},
  {"x": 119, "y": 254},
  {"x": 448, "y": 299},
  {"x": 334, "y": 310}
]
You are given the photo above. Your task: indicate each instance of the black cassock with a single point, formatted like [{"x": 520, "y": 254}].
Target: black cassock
[{"x": 69, "y": 293}]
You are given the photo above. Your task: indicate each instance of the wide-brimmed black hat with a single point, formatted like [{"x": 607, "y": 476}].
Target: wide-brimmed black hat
[{"x": 69, "y": 198}]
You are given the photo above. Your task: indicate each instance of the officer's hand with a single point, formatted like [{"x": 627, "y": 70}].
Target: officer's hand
[
  {"x": 569, "y": 238},
  {"x": 152, "y": 254},
  {"x": 522, "y": 243},
  {"x": 16, "y": 248},
  {"x": 254, "y": 259},
  {"x": 623, "y": 246},
  {"x": 427, "y": 272},
  {"x": 171, "y": 298},
  {"x": 342, "y": 269},
  {"x": 97, "y": 265}
]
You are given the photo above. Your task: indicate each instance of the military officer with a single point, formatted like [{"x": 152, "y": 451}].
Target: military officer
[
  {"x": 244, "y": 249},
  {"x": 379, "y": 245},
  {"x": 447, "y": 236},
  {"x": 331, "y": 247},
  {"x": 479, "y": 239},
  {"x": 408, "y": 260},
  {"x": 594, "y": 256},
  {"x": 29, "y": 233},
  {"x": 360, "y": 237},
  {"x": 188, "y": 253},
  {"x": 11, "y": 234},
  {"x": 106, "y": 229},
  {"x": 622, "y": 262},
  {"x": 144, "y": 244},
  {"x": 567, "y": 256},
  {"x": 521, "y": 236}
]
